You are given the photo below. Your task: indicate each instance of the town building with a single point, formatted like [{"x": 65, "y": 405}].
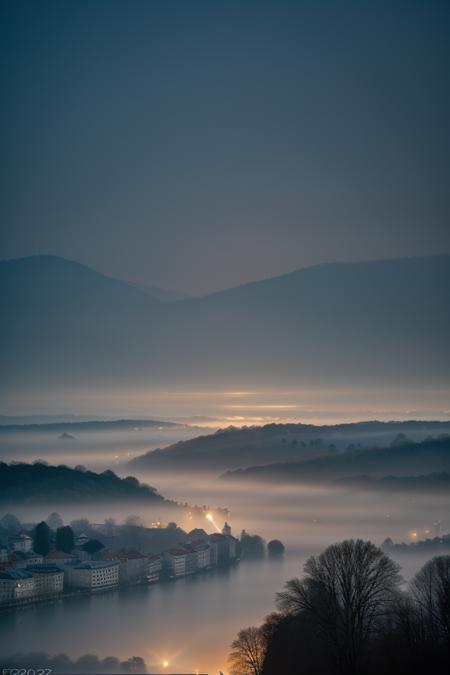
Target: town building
[
  {"x": 15, "y": 585},
  {"x": 93, "y": 574},
  {"x": 191, "y": 559},
  {"x": 174, "y": 562},
  {"x": 226, "y": 530},
  {"x": 81, "y": 539},
  {"x": 60, "y": 559},
  {"x": 133, "y": 566},
  {"x": 232, "y": 544},
  {"x": 203, "y": 551},
  {"x": 224, "y": 547},
  {"x": 4, "y": 557},
  {"x": 23, "y": 560},
  {"x": 81, "y": 554},
  {"x": 154, "y": 567},
  {"x": 22, "y": 543},
  {"x": 48, "y": 580}
]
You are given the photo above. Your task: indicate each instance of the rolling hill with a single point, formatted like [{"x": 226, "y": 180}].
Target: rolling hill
[
  {"x": 403, "y": 460},
  {"x": 237, "y": 448},
  {"x": 28, "y": 484}
]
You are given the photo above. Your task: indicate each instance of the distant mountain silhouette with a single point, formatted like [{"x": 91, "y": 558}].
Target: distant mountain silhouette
[
  {"x": 239, "y": 448},
  {"x": 93, "y": 425},
  {"x": 368, "y": 322},
  {"x": 161, "y": 294}
]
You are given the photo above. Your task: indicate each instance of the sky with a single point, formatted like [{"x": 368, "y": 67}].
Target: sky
[{"x": 197, "y": 145}]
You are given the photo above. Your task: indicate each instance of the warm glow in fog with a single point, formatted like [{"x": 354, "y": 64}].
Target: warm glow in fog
[{"x": 210, "y": 517}]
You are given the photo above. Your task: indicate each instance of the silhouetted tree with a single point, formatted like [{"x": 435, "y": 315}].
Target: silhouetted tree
[
  {"x": 247, "y": 652},
  {"x": 430, "y": 590},
  {"x": 271, "y": 624},
  {"x": 275, "y": 547},
  {"x": 132, "y": 480},
  {"x": 41, "y": 538},
  {"x": 92, "y": 546},
  {"x": 135, "y": 664},
  {"x": 252, "y": 546},
  {"x": 65, "y": 540},
  {"x": 345, "y": 592}
]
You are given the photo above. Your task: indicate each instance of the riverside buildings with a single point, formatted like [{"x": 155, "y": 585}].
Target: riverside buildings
[
  {"x": 26, "y": 576},
  {"x": 22, "y": 543},
  {"x": 94, "y": 575},
  {"x": 16, "y": 585},
  {"x": 155, "y": 563},
  {"x": 48, "y": 580},
  {"x": 133, "y": 566}
]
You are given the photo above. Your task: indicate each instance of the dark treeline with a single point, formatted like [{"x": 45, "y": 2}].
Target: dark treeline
[
  {"x": 402, "y": 459},
  {"x": 244, "y": 447},
  {"x": 62, "y": 664},
  {"x": 36, "y": 483},
  {"x": 351, "y": 615}
]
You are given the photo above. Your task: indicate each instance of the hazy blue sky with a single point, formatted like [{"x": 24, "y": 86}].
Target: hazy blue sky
[{"x": 200, "y": 144}]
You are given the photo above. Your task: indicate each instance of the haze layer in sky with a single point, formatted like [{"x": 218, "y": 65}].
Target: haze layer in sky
[{"x": 198, "y": 145}]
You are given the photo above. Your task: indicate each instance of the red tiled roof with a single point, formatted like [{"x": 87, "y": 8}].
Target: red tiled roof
[
  {"x": 5, "y": 565},
  {"x": 123, "y": 554},
  {"x": 177, "y": 551},
  {"x": 54, "y": 555}
]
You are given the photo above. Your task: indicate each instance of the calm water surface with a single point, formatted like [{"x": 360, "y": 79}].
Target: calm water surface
[{"x": 190, "y": 622}]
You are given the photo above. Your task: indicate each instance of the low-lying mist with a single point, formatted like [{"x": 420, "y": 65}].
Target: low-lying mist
[{"x": 153, "y": 621}]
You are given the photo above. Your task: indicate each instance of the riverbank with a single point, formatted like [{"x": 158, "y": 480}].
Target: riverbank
[{"x": 83, "y": 592}]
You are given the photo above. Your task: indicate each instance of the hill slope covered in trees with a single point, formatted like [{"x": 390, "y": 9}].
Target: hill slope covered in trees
[{"x": 39, "y": 483}]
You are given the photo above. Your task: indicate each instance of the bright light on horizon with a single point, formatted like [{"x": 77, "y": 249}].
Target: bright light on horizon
[{"x": 210, "y": 517}]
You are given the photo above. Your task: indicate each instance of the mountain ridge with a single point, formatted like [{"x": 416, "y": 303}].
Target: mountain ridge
[
  {"x": 359, "y": 321},
  {"x": 246, "y": 447}
]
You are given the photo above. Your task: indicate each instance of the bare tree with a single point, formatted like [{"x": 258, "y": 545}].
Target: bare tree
[
  {"x": 346, "y": 591},
  {"x": 248, "y": 651},
  {"x": 430, "y": 590}
]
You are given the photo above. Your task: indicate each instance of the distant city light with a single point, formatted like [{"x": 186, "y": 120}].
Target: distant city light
[{"x": 209, "y": 517}]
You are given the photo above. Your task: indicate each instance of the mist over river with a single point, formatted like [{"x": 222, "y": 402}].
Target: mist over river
[{"x": 191, "y": 622}]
